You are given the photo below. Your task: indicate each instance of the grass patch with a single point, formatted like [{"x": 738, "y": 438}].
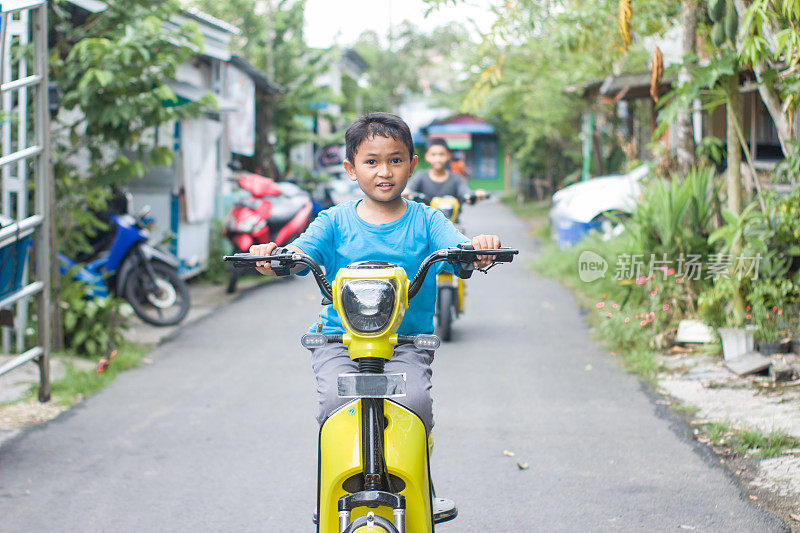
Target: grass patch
[
  {"x": 80, "y": 383},
  {"x": 748, "y": 442},
  {"x": 686, "y": 409},
  {"x": 527, "y": 210}
]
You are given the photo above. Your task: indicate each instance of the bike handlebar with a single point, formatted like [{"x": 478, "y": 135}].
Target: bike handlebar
[
  {"x": 461, "y": 257},
  {"x": 281, "y": 262}
]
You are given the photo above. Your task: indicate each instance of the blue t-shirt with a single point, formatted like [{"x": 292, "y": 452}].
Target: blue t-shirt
[{"x": 338, "y": 237}]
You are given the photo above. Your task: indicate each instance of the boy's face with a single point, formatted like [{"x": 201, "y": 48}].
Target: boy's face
[
  {"x": 437, "y": 157},
  {"x": 381, "y": 166}
]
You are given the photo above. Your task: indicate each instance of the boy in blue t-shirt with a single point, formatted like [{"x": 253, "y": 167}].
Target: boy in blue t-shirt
[{"x": 383, "y": 226}]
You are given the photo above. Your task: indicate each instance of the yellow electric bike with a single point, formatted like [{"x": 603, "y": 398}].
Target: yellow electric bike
[
  {"x": 450, "y": 289},
  {"x": 374, "y": 474}
]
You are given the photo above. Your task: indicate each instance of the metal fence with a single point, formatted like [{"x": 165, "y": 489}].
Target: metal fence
[{"x": 26, "y": 192}]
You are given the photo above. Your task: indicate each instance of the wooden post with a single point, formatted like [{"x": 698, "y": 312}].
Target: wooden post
[{"x": 734, "y": 179}]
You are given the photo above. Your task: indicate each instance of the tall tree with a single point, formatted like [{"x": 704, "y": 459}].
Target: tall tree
[
  {"x": 771, "y": 46},
  {"x": 685, "y": 131}
]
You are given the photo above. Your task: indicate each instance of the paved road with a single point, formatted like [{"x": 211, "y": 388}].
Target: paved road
[{"x": 218, "y": 434}]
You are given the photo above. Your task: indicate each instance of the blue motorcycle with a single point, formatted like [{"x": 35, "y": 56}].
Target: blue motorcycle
[{"x": 131, "y": 268}]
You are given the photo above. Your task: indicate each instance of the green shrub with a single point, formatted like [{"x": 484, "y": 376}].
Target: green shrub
[{"x": 92, "y": 325}]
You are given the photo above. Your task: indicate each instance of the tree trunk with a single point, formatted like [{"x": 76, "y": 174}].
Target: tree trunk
[
  {"x": 734, "y": 179},
  {"x": 769, "y": 93},
  {"x": 734, "y": 175},
  {"x": 685, "y": 131}
]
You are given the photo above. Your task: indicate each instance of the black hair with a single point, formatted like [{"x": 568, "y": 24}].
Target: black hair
[
  {"x": 372, "y": 124},
  {"x": 437, "y": 142}
]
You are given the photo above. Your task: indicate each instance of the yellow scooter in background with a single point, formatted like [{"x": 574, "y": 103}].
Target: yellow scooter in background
[
  {"x": 449, "y": 288},
  {"x": 374, "y": 474}
]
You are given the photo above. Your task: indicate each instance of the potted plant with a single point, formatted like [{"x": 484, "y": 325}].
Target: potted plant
[
  {"x": 715, "y": 308},
  {"x": 768, "y": 299},
  {"x": 772, "y": 335}
]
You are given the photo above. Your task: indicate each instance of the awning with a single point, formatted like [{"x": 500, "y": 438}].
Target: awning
[
  {"x": 258, "y": 77},
  {"x": 92, "y": 6},
  {"x": 186, "y": 92},
  {"x": 455, "y": 141},
  {"x": 461, "y": 125}
]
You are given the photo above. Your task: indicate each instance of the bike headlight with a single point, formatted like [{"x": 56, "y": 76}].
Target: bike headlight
[{"x": 368, "y": 304}]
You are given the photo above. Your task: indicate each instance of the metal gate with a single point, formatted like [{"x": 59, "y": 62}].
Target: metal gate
[{"x": 25, "y": 188}]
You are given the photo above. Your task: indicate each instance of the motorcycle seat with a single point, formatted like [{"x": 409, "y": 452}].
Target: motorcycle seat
[{"x": 284, "y": 209}]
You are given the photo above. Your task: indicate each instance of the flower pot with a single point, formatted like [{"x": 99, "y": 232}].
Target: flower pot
[
  {"x": 772, "y": 348},
  {"x": 736, "y": 341}
]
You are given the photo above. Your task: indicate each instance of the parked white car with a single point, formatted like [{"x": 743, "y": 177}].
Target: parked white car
[{"x": 584, "y": 206}]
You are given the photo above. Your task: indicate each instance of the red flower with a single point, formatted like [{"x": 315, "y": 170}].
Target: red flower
[
  {"x": 679, "y": 280},
  {"x": 627, "y": 319},
  {"x": 748, "y": 308},
  {"x": 643, "y": 323},
  {"x": 600, "y": 305},
  {"x": 641, "y": 281},
  {"x": 665, "y": 308},
  {"x": 653, "y": 293},
  {"x": 748, "y": 317}
]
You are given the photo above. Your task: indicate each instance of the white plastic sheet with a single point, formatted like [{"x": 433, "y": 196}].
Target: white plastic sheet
[{"x": 199, "y": 139}]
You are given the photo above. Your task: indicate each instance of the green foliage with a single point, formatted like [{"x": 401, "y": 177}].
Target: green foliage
[
  {"x": 769, "y": 275},
  {"x": 676, "y": 216},
  {"x": 715, "y": 305},
  {"x": 112, "y": 71},
  {"x": 217, "y": 272},
  {"x": 788, "y": 170},
  {"x": 396, "y": 71},
  {"x": 522, "y": 66},
  {"x": 769, "y": 299},
  {"x": 92, "y": 325}
]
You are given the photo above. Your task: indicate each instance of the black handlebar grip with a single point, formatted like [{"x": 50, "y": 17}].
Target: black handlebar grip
[
  {"x": 506, "y": 257},
  {"x": 277, "y": 266}
]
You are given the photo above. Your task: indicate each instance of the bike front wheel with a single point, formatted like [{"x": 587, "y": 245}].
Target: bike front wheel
[
  {"x": 444, "y": 313},
  {"x": 163, "y": 301}
]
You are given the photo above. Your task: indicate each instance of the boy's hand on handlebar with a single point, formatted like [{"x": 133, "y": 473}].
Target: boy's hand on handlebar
[
  {"x": 485, "y": 242},
  {"x": 262, "y": 250}
]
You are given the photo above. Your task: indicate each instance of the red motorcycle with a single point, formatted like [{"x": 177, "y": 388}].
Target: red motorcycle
[{"x": 274, "y": 211}]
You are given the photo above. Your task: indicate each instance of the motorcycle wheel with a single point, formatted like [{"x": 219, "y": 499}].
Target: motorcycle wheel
[
  {"x": 444, "y": 313},
  {"x": 167, "y": 304}
]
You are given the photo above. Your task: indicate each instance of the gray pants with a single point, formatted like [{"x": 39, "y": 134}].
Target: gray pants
[{"x": 332, "y": 359}]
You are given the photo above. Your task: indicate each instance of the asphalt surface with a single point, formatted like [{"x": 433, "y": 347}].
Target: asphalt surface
[{"x": 219, "y": 435}]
